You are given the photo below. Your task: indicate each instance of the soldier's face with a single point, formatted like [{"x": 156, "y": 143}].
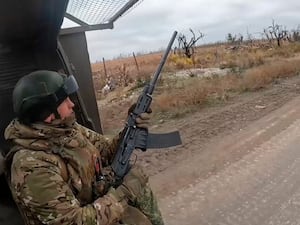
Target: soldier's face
[{"x": 65, "y": 109}]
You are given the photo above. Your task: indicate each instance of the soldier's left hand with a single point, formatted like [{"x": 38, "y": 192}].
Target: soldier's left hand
[{"x": 143, "y": 120}]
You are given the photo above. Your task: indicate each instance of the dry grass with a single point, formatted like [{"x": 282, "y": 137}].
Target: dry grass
[
  {"x": 263, "y": 75},
  {"x": 195, "y": 91},
  {"x": 253, "y": 67}
]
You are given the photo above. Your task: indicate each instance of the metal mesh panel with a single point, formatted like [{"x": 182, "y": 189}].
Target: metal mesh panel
[
  {"x": 133, "y": 7},
  {"x": 95, "y": 11}
]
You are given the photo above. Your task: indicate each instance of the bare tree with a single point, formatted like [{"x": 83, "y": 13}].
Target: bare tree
[
  {"x": 249, "y": 37},
  {"x": 188, "y": 46},
  {"x": 230, "y": 38},
  {"x": 123, "y": 75},
  {"x": 235, "y": 39},
  {"x": 276, "y": 32},
  {"x": 295, "y": 34},
  {"x": 267, "y": 35}
]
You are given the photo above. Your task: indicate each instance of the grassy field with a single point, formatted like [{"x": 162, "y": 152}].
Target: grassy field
[{"x": 251, "y": 67}]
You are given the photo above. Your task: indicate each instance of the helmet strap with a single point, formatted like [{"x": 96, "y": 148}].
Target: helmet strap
[{"x": 57, "y": 116}]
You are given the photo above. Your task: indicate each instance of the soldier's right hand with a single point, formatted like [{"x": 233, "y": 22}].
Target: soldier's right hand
[
  {"x": 119, "y": 196},
  {"x": 133, "y": 183}
]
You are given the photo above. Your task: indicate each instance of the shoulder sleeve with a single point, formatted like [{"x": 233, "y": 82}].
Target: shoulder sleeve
[
  {"x": 106, "y": 145},
  {"x": 41, "y": 191}
]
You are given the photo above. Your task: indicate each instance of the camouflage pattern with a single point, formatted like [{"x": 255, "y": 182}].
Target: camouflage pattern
[
  {"x": 53, "y": 177},
  {"x": 148, "y": 205}
]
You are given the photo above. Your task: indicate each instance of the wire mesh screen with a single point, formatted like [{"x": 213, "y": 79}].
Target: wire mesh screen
[{"x": 95, "y": 11}]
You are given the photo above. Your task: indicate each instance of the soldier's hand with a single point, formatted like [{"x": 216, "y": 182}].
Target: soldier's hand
[
  {"x": 118, "y": 197},
  {"x": 133, "y": 183},
  {"x": 143, "y": 120}
]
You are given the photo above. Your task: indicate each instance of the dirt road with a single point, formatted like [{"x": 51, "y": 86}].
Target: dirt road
[
  {"x": 238, "y": 165},
  {"x": 263, "y": 187}
]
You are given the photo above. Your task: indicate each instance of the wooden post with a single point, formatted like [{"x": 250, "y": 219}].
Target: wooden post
[
  {"x": 136, "y": 63},
  {"x": 105, "y": 72}
]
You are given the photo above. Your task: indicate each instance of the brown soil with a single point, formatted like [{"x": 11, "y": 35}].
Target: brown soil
[{"x": 206, "y": 126}]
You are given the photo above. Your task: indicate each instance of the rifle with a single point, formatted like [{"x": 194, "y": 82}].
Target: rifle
[{"x": 131, "y": 133}]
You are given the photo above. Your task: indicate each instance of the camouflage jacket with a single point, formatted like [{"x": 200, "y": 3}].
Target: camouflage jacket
[{"x": 53, "y": 172}]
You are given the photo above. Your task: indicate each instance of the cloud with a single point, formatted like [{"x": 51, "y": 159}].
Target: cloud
[{"x": 150, "y": 25}]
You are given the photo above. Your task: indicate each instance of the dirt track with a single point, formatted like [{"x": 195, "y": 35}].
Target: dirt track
[
  {"x": 210, "y": 143},
  {"x": 212, "y": 124},
  {"x": 210, "y": 146},
  {"x": 262, "y": 188}
]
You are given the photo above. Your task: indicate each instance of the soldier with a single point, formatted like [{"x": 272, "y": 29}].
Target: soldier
[{"x": 60, "y": 170}]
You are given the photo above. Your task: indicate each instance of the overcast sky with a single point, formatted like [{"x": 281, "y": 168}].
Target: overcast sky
[{"x": 149, "y": 26}]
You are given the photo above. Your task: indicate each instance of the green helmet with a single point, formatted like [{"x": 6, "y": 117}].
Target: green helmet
[{"x": 39, "y": 93}]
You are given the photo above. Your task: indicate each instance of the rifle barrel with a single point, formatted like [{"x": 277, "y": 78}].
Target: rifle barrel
[{"x": 161, "y": 64}]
